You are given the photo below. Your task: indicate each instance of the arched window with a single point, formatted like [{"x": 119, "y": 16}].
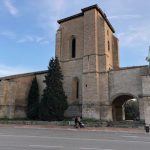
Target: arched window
[
  {"x": 75, "y": 89},
  {"x": 107, "y": 32},
  {"x": 73, "y": 47},
  {"x": 108, "y": 46}
]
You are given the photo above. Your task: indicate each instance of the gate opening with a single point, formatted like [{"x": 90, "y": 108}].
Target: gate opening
[{"x": 125, "y": 107}]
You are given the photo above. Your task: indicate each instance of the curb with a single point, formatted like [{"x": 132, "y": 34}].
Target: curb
[{"x": 71, "y": 128}]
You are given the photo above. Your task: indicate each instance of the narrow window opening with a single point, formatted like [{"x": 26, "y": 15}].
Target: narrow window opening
[
  {"x": 77, "y": 90},
  {"x": 73, "y": 48},
  {"x": 88, "y": 57},
  {"x": 108, "y": 46},
  {"x": 107, "y": 32}
]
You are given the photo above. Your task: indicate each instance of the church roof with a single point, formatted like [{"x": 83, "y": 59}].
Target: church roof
[{"x": 82, "y": 14}]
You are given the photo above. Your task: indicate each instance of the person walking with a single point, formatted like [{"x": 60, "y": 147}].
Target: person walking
[{"x": 78, "y": 122}]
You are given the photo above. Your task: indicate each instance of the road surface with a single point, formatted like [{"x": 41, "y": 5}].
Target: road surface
[{"x": 22, "y": 138}]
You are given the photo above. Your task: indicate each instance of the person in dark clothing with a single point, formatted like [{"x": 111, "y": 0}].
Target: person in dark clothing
[{"x": 78, "y": 122}]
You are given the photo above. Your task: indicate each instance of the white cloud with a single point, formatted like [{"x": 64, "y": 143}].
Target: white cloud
[
  {"x": 33, "y": 39},
  {"x": 24, "y": 38},
  {"x": 135, "y": 36},
  {"x": 39, "y": 39},
  {"x": 8, "y": 34},
  {"x": 7, "y": 70},
  {"x": 45, "y": 42},
  {"x": 49, "y": 12},
  {"x": 11, "y": 8},
  {"x": 59, "y": 5},
  {"x": 132, "y": 16}
]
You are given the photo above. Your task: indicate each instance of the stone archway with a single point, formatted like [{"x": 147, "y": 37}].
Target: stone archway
[{"x": 117, "y": 106}]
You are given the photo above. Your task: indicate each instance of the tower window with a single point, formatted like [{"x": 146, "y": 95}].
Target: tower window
[
  {"x": 107, "y": 32},
  {"x": 108, "y": 46},
  {"x": 73, "y": 48},
  {"x": 75, "y": 89}
]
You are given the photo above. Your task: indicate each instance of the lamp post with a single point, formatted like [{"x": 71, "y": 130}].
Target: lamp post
[{"x": 148, "y": 57}]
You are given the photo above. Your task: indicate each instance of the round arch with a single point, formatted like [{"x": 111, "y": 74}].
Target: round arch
[{"x": 118, "y": 102}]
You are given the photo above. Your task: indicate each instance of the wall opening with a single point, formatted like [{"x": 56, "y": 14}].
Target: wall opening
[
  {"x": 125, "y": 107},
  {"x": 108, "y": 46},
  {"x": 75, "y": 89},
  {"x": 73, "y": 47}
]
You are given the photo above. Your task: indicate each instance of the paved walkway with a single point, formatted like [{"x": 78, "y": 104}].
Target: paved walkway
[{"x": 104, "y": 129}]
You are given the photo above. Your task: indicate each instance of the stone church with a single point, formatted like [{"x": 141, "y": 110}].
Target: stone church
[{"x": 95, "y": 84}]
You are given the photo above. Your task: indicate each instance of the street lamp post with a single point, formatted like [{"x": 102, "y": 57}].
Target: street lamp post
[{"x": 148, "y": 57}]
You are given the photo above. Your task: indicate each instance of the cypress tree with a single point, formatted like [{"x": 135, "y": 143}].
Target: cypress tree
[
  {"x": 33, "y": 101},
  {"x": 54, "y": 101}
]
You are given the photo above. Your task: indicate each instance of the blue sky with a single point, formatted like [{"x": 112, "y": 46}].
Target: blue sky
[{"x": 28, "y": 28}]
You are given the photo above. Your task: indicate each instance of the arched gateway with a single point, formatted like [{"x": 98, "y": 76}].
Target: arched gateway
[{"x": 118, "y": 109}]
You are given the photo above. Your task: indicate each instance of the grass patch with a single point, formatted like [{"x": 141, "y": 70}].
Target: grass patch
[
  {"x": 88, "y": 122},
  {"x": 94, "y": 122}
]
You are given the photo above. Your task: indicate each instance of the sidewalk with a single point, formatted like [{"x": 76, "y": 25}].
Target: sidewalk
[{"x": 101, "y": 129}]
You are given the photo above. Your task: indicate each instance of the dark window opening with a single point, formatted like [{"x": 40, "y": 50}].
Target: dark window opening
[
  {"x": 108, "y": 46},
  {"x": 73, "y": 48},
  {"x": 107, "y": 32},
  {"x": 77, "y": 90},
  {"x": 88, "y": 57}
]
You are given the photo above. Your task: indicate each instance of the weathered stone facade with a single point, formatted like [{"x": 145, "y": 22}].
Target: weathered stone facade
[
  {"x": 14, "y": 91},
  {"x": 96, "y": 53},
  {"x": 103, "y": 86},
  {"x": 94, "y": 83}
]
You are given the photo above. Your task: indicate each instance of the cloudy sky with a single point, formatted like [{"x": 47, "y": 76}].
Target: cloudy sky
[{"x": 28, "y": 28}]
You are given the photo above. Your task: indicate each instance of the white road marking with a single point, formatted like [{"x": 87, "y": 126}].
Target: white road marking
[
  {"x": 94, "y": 149},
  {"x": 45, "y": 146},
  {"x": 130, "y": 136},
  {"x": 25, "y": 127},
  {"x": 69, "y": 138}
]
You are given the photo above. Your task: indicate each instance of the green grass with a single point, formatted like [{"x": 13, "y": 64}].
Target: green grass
[{"x": 65, "y": 122}]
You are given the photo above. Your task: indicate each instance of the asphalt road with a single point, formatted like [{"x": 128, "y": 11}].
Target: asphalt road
[{"x": 15, "y": 138}]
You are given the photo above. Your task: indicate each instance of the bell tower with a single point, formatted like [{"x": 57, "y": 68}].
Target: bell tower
[{"x": 87, "y": 48}]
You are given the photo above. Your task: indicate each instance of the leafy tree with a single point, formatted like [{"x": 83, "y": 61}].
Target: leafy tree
[
  {"x": 54, "y": 101},
  {"x": 33, "y": 101},
  {"x": 132, "y": 110}
]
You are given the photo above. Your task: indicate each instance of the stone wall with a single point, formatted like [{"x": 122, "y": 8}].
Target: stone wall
[
  {"x": 146, "y": 97},
  {"x": 67, "y": 30},
  {"x": 14, "y": 92},
  {"x": 7, "y": 99},
  {"x": 92, "y": 32},
  {"x": 126, "y": 81},
  {"x": 71, "y": 67},
  {"x": 147, "y": 110}
]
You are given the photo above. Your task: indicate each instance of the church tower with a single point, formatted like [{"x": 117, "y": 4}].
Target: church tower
[{"x": 87, "y": 50}]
